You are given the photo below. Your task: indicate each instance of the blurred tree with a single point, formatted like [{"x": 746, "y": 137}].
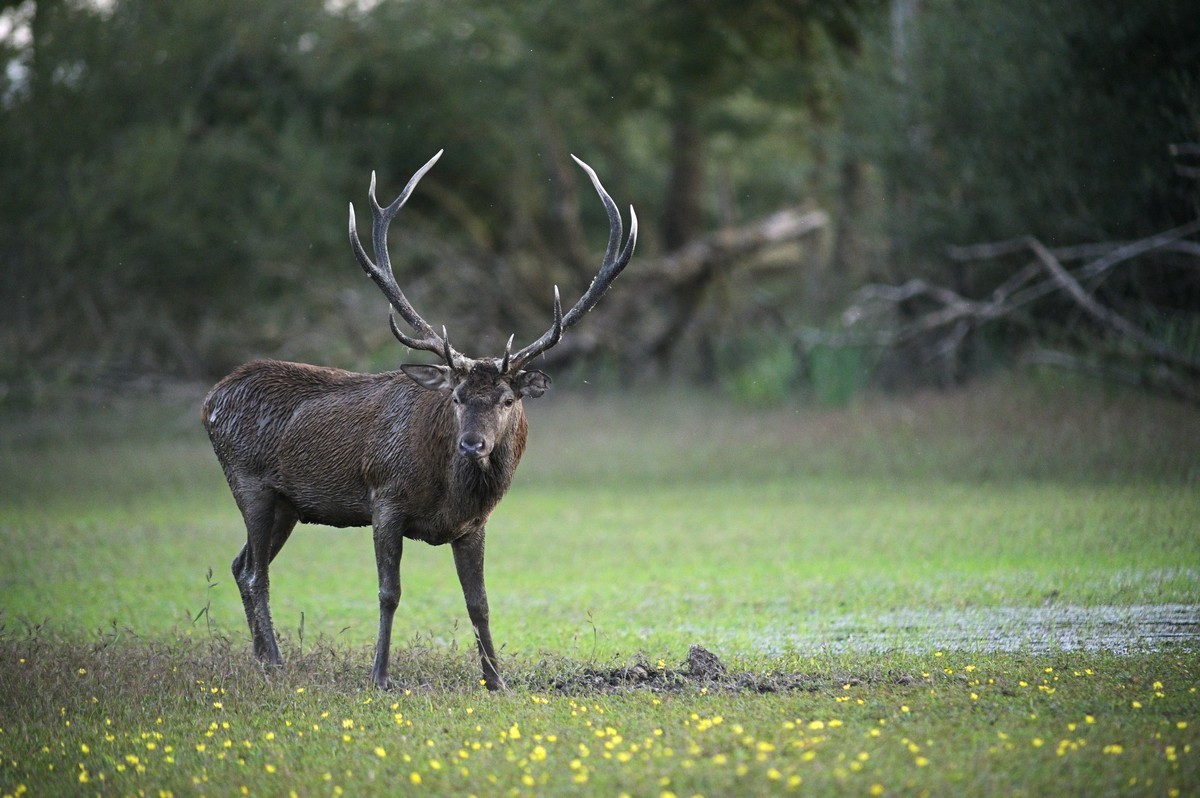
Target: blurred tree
[
  {"x": 639, "y": 88},
  {"x": 151, "y": 153},
  {"x": 173, "y": 176},
  {"x": 685, "y": 61},
  {"x": 1000, "y": 120},
  {"x": 185, "y": 159},
  {"x": 1026, "y": 117}
]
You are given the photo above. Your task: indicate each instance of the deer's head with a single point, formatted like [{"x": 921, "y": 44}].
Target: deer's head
[
  {"x": 486, "y": 393},
  {"x": 486, "y": 401}
]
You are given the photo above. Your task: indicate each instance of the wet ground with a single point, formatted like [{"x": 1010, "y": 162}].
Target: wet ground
[
  {"x": 990, "y": 629},
  {"x": 1125, "y": 629}
]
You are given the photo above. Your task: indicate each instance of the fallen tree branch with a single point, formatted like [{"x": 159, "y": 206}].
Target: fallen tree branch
[
  {"x": 1156, "y": 379},
  {"x": 941, "y": 319},
  {"x": 660, "y": 298},
  {"x": 1106, "y": 316},
  {"x": 1171, "y": 241},
  {"x": 1136, "y": 248},
  {"x": 1190, "y": 149}
]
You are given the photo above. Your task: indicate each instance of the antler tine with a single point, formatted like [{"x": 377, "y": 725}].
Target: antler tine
[
  {"x": 448, "y": 354},
  {"x": 610, "y": 267},
  {"x": 507, "y": 354},
  {"x": 383, "y": 276},
  {"x": 408, "y": 340},
  {"x": 613, "y": 263},
  {"x": 615, "y": 228}
]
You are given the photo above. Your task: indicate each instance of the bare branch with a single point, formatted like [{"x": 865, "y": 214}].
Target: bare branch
[
  {"x": 1081, "y": 296},
  {"x": 945, "y": 317},
  {"x": 988, "y": 251},
  {"x": 1102, "y": 252},
  {"x": 1157, "y": 378},
  {"x": 1096, "y": 270},
  {"x": 1136, "y": 248},
  {"x": 1106, "y": 316}
]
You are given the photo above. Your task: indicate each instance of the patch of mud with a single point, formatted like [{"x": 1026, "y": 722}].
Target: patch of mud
[
  {"x": 1117, "y": 629},
  {"x": 702, "y": 669}
]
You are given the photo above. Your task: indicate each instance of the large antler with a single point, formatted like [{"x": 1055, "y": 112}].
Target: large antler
[
  {"x": 610, "y": 267},
  {"x": 383, "y": 276}
]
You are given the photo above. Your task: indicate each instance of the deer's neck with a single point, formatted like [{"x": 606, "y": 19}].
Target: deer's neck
[
  {"x": 476, "y": 486},
  {"x": 485, "y": 481}
]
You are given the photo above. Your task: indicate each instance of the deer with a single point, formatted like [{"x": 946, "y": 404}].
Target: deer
[{"x": 422, "y": 453}]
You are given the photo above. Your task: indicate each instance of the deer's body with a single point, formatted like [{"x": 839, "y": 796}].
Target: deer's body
[
  {"x": 342, "y": 448},
  {"x": 425, "y": 452}
]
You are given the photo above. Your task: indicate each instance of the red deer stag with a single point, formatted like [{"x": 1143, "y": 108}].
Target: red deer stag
[{"x": 425, "y": 452}]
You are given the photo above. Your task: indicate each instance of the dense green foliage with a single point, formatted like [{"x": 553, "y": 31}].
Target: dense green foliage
[
  {"x": 173, "y": 176},
  {"x": 1047, "y": 119}
]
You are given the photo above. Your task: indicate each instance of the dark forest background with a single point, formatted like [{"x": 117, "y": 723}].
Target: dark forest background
[{"x": 833, "y": 195}]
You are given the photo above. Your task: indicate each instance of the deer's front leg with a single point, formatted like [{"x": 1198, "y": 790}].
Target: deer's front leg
[
  {"x": 389, "y": 545},
  {"x": 468, "y": 559}
]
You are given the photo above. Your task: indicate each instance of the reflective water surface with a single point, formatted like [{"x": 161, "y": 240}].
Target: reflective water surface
[{"x": 984, "y": 629}]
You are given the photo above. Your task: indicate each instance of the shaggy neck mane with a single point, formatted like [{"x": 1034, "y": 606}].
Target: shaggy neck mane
[{"x": 483, "y": 485}]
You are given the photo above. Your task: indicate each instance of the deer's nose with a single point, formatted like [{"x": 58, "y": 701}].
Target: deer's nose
[{"x": 472, "y": 445}]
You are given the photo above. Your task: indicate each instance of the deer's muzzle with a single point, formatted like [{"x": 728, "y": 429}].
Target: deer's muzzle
[{"x": 473, "y": 445}]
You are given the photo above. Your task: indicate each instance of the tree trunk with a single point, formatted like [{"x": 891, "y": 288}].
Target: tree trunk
[
  {"x": 40, "y": 24},
  {"x": 847, "y": 256},
  {"x": 684, "y": 220}
]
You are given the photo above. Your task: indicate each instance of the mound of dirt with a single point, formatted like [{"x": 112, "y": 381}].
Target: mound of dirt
[
  {"x": 701, "y": 669},
  {"x": 703, "y": 664}
]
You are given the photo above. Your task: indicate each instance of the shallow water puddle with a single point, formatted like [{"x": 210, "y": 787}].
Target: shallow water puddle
[{"x": 1049, "y": 628}]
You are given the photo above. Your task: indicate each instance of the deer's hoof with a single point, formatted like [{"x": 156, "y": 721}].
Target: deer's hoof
[{"x": 269, "y": 659}]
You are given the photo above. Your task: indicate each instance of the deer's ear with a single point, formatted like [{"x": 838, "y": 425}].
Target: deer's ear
[
  {"x": 532, "y": 383},
  {"x": 434, "y": 378}
]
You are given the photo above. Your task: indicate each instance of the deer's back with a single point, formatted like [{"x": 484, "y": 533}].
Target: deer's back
[
  {"x": 248, "y": 413},
  {"x": 309, "y": 433}
]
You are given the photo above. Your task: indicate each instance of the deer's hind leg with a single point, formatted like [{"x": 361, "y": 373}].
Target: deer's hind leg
[{"x": 269, "y": 521}]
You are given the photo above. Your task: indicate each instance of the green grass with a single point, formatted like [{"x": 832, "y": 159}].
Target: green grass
[
  {"x": 787, "y": 540},
  {"x": 210, "y": 723}
]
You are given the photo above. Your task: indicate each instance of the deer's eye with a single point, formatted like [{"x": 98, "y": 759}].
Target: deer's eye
[
  {"x": 509, "y": 401},
  {"x": 454, "y": 398}
]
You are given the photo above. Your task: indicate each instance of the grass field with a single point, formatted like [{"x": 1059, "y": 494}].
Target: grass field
[{"x": 994, "y": 591}]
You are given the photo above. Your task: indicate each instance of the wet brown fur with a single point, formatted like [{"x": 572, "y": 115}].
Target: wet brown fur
[{"x": 322, "y": 445}]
